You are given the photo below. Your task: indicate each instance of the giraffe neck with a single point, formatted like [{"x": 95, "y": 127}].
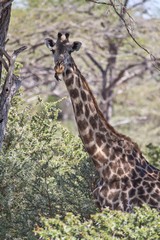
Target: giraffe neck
[
  {"x": 126, "y": 178},
  {"x": 97, "y": 135}
]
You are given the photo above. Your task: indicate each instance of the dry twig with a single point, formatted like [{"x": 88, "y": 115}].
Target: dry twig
[{"x": 9, "y": 88}]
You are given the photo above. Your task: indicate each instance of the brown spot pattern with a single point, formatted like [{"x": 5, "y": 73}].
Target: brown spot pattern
[
  {"x": 84, "y": 96},
  {"x": 82, "y": 124},
  {"x": 93, "y": 122},
  {"x": 100, "y": 139},
  {"x": 74, "y": 93},
  {"x": 88, "y": 137},
  {"x": 69, "y": 82},
  {"x": 79, "y": 109}
]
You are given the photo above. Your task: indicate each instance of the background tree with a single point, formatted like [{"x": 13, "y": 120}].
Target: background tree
[
  {"x": 118, "y": 70},
  {"x": 116, "y": 36}
]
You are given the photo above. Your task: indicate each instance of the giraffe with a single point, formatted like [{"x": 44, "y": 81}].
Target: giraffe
[{"x": 126, "y": 179}]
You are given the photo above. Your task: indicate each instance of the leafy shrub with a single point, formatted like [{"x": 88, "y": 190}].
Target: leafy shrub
[
  {"x": 144, "y": 223},
  {"x": 43, "y": 171},
  {"x": 154, "y": 154}
]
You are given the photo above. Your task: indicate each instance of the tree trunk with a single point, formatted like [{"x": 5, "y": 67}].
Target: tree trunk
[
  {"x": 11, "y": 83},
  {"x": 5, "y": 13},
  {"x": 106, "y": 103}
]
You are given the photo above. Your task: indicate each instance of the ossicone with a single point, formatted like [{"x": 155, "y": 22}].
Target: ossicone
[
  {"x": 59, "y": 35},
  {"x": 67, "y": 35}
]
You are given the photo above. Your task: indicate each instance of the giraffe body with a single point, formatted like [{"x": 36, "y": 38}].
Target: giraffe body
[{"x": 126, "y": 178}]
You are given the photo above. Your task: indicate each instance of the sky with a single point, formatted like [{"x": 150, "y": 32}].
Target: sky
[{"x": 152, "y": 7}]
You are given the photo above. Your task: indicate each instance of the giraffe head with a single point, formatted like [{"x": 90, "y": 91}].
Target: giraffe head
[{"x": 61, "y": 50}]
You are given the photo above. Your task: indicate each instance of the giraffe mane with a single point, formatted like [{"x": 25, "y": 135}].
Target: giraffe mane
[{"x": 86, "y": 86}]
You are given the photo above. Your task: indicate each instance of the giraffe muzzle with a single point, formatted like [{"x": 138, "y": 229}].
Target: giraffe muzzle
[{"x": 59, "y": 69}]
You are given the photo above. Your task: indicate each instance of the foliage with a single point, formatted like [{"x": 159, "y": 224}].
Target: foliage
[
  {"x": 43, "y": 171},
  {"x": 154, "y": 155},
  {"x": 144, "y": 223},
  {"x": 36, "y": 3}
]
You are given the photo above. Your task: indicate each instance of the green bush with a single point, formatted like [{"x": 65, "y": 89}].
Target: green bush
[
  {"x": 154, "y": 154},
  {"x": 43, "y": 171},
  {"x": 144, "y": 223}
]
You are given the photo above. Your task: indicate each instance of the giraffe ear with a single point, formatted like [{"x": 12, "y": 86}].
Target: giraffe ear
[
  {"x": 49, "y": 43},
  {"x": 76, "y": 46}
]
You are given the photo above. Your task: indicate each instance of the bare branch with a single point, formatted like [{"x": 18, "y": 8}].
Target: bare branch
[
  {"x": 130, "y": 120},
  {"x": 98, "y": 2},
  {"x": 5, "y": 65},
  {"x": 2, "y": 50},
  {"x": 128, "y": 30},
  {"x": 121, "y": 16},
  {"x": 121, "y": 74},
  {"x": 9, "y": 88},
  {"x": 94, "y": 61},
  {"x": 18, "y": 51}
]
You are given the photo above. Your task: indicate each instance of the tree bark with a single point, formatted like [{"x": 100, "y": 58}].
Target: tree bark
[
  {"x": 5, "y": 14},
  {"x": 10, "y": 85},
  {"x": 106, "y": 103}
]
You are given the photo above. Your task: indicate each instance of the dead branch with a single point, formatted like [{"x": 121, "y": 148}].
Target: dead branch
[
  {"x": 11, "y": 85},
  {"x": 126, "y": 26},
  {"x": 121, "y": 76},
  {"x": 121, "y": 16},
  {"x": 130, "y": 120},
  {"x": 94, "y": 61},
  {"x": 98, "y": 2}
]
